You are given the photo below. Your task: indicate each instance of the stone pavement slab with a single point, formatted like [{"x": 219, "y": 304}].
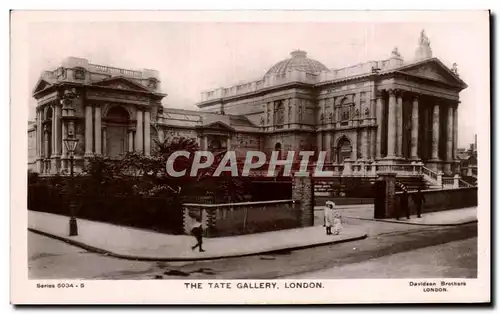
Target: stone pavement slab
[
  {"x": 441, "y": 218},
  {"x": 136, "y": 244}
]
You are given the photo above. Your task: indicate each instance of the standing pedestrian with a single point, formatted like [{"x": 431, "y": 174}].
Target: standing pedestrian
[
  {"x": 337, "y": 219},
  {"x": 404, "y": 203},
  {"x": 329, "y": 217},
  {"x": 418, "y": 199},
  {"x": 197, "y": 232}
]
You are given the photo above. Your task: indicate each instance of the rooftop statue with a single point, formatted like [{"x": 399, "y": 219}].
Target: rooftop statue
[
  {"x": 424, "y": 40},
  {"x": 395, "y": 52}
]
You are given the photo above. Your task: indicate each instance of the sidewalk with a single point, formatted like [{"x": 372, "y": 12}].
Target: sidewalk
[
  {"x": 136, "y": 244},
  {"x": 443, "y": 218}
]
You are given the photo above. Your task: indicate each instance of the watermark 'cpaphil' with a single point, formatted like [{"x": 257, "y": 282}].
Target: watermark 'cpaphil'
[{"x": 303, "y": 163}]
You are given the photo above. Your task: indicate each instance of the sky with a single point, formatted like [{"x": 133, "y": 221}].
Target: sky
[{"x": 197, "y": 56}]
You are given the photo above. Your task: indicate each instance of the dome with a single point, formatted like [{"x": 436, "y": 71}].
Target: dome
[{"x": 298, "y": 61}]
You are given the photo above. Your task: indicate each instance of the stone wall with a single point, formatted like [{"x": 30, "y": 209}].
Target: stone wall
[
  {"x": 243, "y": 218},
  {"x": 442, "y": 199}
]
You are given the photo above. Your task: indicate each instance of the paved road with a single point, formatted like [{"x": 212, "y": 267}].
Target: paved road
[
  {"x": 456, "y": 259},
  {"x": 54, "y": 259}
]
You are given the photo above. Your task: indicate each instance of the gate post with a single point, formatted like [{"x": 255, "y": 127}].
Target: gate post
[
  {"x": 388, "y": 195},
  {"x": 303, "y": 191}
]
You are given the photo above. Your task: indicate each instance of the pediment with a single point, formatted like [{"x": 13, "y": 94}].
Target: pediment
[
  {"x": 122, "y": 83},
  {"x": 435, "y": 70},
  {"x": 218, "y": 126},
  {"x": 41, "y": 85}
]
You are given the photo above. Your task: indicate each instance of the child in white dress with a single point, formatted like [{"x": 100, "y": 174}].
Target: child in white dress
[{"x": 337, "y": 220}]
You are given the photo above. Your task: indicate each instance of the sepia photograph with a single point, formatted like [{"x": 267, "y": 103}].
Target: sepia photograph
[{"x": 215, "y": 154}]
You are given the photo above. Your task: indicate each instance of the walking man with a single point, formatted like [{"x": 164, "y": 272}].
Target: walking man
[
  {"x": 418, "y": 199},
  {"x": 197, "y": 232}
]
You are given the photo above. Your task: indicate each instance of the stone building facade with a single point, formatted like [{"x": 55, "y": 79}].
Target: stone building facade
[{"x": 387, "y": 113}]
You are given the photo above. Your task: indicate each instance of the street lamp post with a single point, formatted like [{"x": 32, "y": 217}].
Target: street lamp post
[{"x": 71, "y": 141}]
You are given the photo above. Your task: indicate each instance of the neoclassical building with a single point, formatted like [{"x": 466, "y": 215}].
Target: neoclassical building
[{"x": 382, "y": 115}]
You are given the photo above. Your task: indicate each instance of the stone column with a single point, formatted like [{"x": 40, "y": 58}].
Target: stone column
[
  {"x": 364, "y": 143},
  {"x": 147, "y": 133},
  {"x": 435, "y": 133},
  {"x": 271, "y": 114},
  {"x": 39, "y": 143},
  {"x": 399, "y": 124},
  {"x": 380, "y": 123},
  {"x": 414, "y": 129},
  {"x": 228, "y": 143},
  {"x": 131, "y": 140},
  {"x": 38, "y": 133},
  {"x": 455, "y": 131},
  {"x": 373, "y": 143},
  {"x": 295, "y": 107},
  {"x": 104, "y": 142},
  {"x": 57, "y": 137},
  {"x": 205, "y": 142},
  {"x": 64, "y": 135},
  {"x": 303, "y": 194},
  {"x": 285, "y": 118},
  {"x": 391, "y": 126},
  {"x": 88, "y": 130},
  {"x": 449, "y": 140},
  {"x": 328, "y": 146},
  {"x": 53, "y": 133},
  {"x": 319, "y": 140},
  {"x": 139, "y": 135},
  {"x": 97, "y": 131},
  {"x": 46, "y": 141}
]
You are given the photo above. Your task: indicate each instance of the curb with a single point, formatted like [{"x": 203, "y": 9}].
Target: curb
[
  {"x": 414, "y": 223},
  {"x": 182, "y": 259}
]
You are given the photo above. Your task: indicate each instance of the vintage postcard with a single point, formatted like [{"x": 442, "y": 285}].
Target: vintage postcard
[{"x": 253, "y": 157}]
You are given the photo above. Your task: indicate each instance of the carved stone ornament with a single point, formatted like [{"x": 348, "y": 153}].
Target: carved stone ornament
[
  {"x": 118, "y": 96},
  {"x": 262, "y": 121}
]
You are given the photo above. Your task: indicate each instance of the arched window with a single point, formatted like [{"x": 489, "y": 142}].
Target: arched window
[
  {"x": 48, "y": 113},
  {"x": 117, "y": 114},
  {"x": 344, "y": 150}
]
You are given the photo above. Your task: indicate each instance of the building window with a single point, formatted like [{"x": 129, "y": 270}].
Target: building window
[
  {"x": 345, "y": 112},
  {"x": 279, "y": 114},
  {"x": 152, "y": 83},
  {"x": 79, "y": 74}
]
